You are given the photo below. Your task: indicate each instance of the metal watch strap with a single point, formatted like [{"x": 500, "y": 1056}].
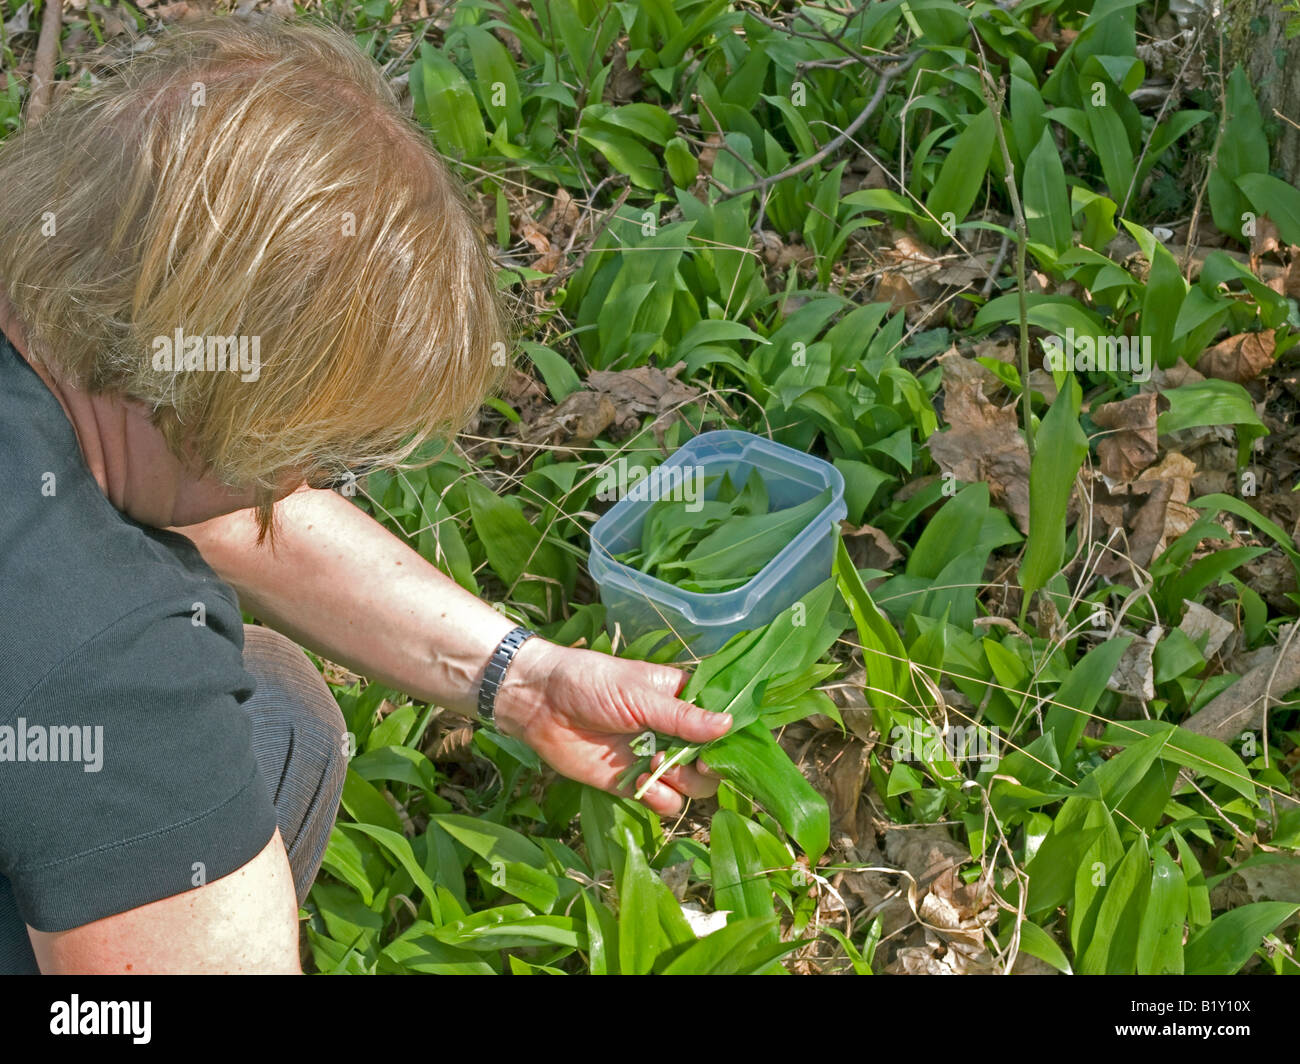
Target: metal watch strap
[{"x": 495, "y": 673}]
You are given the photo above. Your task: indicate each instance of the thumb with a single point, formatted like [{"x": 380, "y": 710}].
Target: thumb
[
  {"x": 667, "y": 679},
  {"x": 671, "y": 716}
]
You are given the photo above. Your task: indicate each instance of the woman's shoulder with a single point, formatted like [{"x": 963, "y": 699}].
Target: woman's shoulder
[{"x": 73, "y": 570}]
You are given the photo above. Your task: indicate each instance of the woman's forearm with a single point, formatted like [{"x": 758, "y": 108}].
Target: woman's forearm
[{"x": 342, "y": 585}]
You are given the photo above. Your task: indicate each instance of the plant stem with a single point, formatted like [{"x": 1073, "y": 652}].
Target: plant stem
[
  {"x": 994, "y": 101},
  {"x": 679, "y": 756}
]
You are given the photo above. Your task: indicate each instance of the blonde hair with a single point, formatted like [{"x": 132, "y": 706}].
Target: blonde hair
[{"x": 254, "y": 179}]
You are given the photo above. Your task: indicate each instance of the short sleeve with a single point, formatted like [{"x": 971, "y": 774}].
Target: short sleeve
[{"x": 127, "y": 774}]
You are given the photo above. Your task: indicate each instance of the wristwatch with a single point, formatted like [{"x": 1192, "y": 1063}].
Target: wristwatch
[{"x": 495, "y": 673}]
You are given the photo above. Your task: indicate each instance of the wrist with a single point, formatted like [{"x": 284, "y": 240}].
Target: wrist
[{"x": 524, "y": 693}]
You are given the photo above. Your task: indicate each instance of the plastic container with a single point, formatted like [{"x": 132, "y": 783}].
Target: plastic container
[{"x": 638, "y": 603}]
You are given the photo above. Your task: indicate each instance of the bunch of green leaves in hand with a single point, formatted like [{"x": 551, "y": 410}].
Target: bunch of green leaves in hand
[
  {"x": 724, "y": 542},
  {"x": 763, "y": 678}
]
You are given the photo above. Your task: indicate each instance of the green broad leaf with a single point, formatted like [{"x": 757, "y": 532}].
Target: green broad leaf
[
  {"x": 417, "y": 950},
  {"x": 1160, "y": 937},
  {"x": 1098, "y": 217},
  {"x": 739, "y": 885},
  {"x": 1213, "y": 402},
  {"x": 445, "y": 104},
  {"x": 602, "y": 937},
  {"x": 1164, "y": 137},
  {"x": 1243, "y": 149},
  {"x": 669, "y": 525},
  {"x": 716, "y": 331},
  {"x": 1075, "y": 699},
  {"x": 801, "y": 708},
  {"x": 1224, "y": 945},
  {"x": 1028, "y": 115},
  {"x": 556, "y": 370},
  {"x": 744, "y": 545},
  {"x": 1161, "y": 301},
  {"x": 392, "y": 730},
  {"x": 1114, "y": 779},
  {"x": 509, "y": 927},
  {"x": 645, "y": 120},
  {"x": 752, "y": 499},
  {"x": 397, "y": 846},
  {"x": 1287, "y": 833},
  {"x": 344, "y": 860},
  {"x": 731, "y": 680},
  {"x": 1061, "y": 447},
  {"x": 754, "y": 761},
  {"x": 535, "y": 888},
  {"x": 1038, "y": 943},
  {"x": 743, "y": 947},
  {"x": 1075, "y": 831},
  {"x": 965, "y": 523},
  {"x": 626, "y": 155},
  {"x": 639, "y": 938},
  {"x": 399, "y": 763},
  {"x": 888, "y": 676},
  {"x": 1202, "y": 754},
  {"x": 1198, "y": 891},
  {"x": 1111, "y": 143},
  {"x": 682, "y": 165},
  {"x": 734, "y": 679},
  {"x": 1274, "y": 197},
  {"x": 1112, "y": 946},
  {"x": 494, "y": 75},
  {"x": 366, "y": 805},
  {"x": 962, "y": 175},
  {"x": 1047, "y": 200},
  {"x": 441, "y": 543},
  {"x": 1056, "y": 314},
  {"x": 881, "y": 199},
  {"x": 903, "y": 779},
  {"x": 795, "y": 683},
  {"x": 515, "y": 549}
]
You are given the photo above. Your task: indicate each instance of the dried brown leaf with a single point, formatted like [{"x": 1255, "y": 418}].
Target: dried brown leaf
[
  {"x": 1131, "y": 446},
  {"x": 1239, "y": 358}
]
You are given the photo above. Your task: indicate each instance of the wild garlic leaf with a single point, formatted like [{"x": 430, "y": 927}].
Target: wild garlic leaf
[
  {"x": 755, "y": 763},
  {"x": 744, "y": 545}
]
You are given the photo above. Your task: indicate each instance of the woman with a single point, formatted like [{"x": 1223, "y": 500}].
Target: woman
[{"x": 228, "y": 272}]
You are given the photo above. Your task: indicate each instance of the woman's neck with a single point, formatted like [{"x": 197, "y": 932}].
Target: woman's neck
[{"x": 124, "y": 452}]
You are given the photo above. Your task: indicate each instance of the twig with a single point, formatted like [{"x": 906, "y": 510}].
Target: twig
[
  {"x": 886, "y": 76},
  {"x": 47, "y": 51},
  {"x": 1209, "y": 172},
  {"x": 994, "y": 101},
  {"x": 1169, "y": 99},
  {"x": 992, "y": 281},
  {"x": 1288, "y": 121},
  {"x": 416, "y": 40}
]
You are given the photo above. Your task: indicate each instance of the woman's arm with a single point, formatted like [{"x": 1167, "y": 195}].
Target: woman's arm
[{"x": 342, "y": 585}]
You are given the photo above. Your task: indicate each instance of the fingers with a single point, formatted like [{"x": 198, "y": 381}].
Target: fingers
[
  {"x": 600, "y": 763},
  {"x": 660, "y": 797},
  {"x": 687, "y": 779}
]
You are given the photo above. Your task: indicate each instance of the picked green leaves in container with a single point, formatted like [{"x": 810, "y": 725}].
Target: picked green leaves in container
[{"x": 718, "y": 544}]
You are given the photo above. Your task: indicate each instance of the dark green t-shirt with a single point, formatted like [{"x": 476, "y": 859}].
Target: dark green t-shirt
[{"x": 126, "y": 767}]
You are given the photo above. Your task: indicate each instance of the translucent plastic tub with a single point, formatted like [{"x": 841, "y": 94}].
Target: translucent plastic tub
[{"x": 638, "y": 603}]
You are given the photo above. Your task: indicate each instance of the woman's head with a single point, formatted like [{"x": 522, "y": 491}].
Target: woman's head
[{"x": 240, "y": 229}]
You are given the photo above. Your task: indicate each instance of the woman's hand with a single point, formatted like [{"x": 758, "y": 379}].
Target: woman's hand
[{"x": 580, "y": 710}]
